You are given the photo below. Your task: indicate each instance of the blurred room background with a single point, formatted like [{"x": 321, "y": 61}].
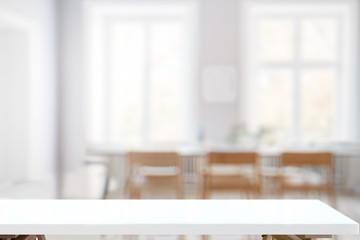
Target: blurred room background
[{"x": 86, "y": 83}]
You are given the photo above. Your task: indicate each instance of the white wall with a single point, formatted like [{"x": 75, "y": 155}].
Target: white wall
[
  {"x": 33, "y": 93},
  {"x": 14, "y": 87},
  {"x": 218, "y": 46},
  {"x": 72, "y": 83}
]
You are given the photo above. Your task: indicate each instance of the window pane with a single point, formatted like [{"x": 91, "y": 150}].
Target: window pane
[
  {"x": 126, "y": 83},
  {"x": 166, "y": 79},
  {"x": 276, "y": 39},
  {"x": 275, "y": 101},
  {"x": 317, "y": 104},
  {"x": 319, "y": 39}
]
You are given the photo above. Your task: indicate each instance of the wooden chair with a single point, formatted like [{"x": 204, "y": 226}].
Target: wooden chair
[
  {"x": 232, "y": 171},
  {"x": 146, "y": 170},
  {"x": 307, "y": 172}
]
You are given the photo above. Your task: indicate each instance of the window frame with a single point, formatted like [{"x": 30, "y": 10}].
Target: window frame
[
  {"x": 345, "y": 115},
  {"x": 104, "y": 14}
]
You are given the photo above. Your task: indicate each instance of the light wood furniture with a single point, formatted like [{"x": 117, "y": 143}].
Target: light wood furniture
[
  {"x": 310, "y": 218},
  {"x": 146, "y": 170},
  {"x": 116, "y": 158},
  {"x": 232, "y": 171},
  {"x": 307, "y": 172}
]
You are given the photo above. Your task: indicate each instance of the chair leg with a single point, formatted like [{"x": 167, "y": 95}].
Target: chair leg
[
  {"x": 134, "y": 192},
  {"x": 180, "y": 189},
  {"x": 204, "y": 191},
  {"x": 260, "y": 192},
  {"x": 332, "y": 196},
  {"x": 203, "y": 195}
]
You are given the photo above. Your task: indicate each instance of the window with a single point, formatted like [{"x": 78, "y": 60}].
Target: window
[
  {"x": 142, "y": 69},
  {"x": 301, "y": 59}
]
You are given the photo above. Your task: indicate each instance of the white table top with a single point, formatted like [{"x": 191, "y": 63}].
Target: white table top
[{"x": 223, "y": 217}]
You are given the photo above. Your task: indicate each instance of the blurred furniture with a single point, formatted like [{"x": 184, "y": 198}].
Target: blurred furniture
[
  {"x": 153, "y": 170},
  {"x": 192, "y": 159},
  {"x": 177, "y": 217},
  {"x": 307, "y": 172},
  {"x": 232, "y": 171}
]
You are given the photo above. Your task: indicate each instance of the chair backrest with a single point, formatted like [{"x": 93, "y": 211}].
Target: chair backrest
[
  {"x": 318, "y": 160},
  {"x": 155, "y": 167},
  {"x": 154, "y": 159},
  {"x": 233, "y": 158},
  {"x": 232, "y": 171},
  {"x": 297, "y": 159},
  {"x": 317, "y": 172}
]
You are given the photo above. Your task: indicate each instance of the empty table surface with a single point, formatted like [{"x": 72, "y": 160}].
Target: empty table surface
[{"x": 172, "y": 217}]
